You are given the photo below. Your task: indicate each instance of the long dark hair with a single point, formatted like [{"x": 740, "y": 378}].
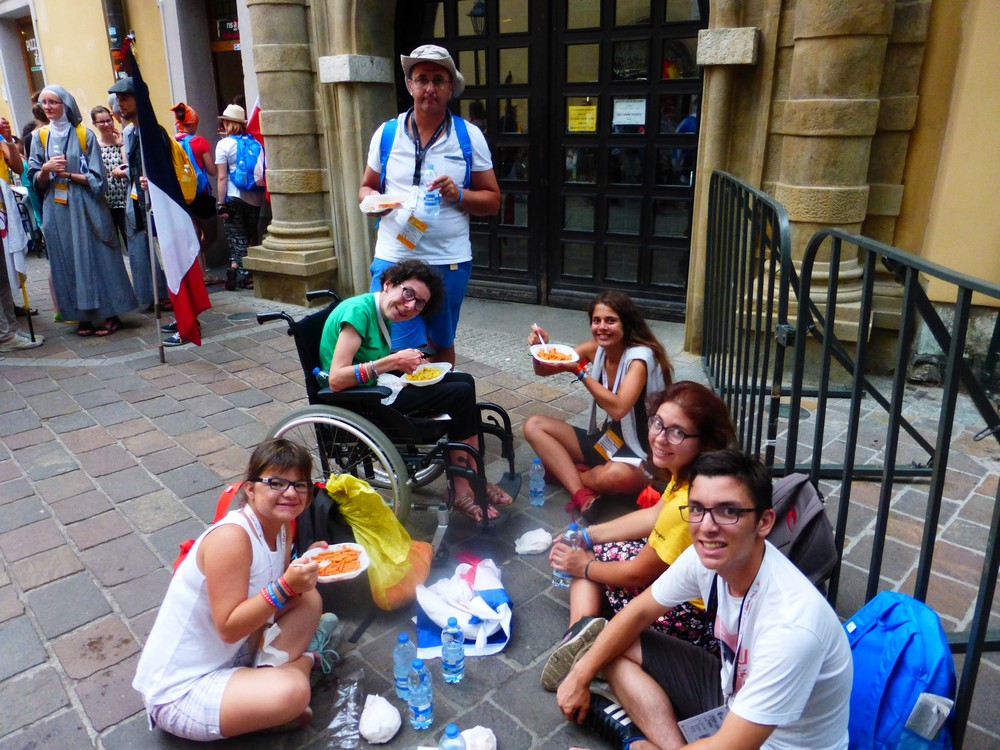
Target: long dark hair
[
  {"x": 703, "y": 407},
  {"x": 637, "y": 330}
]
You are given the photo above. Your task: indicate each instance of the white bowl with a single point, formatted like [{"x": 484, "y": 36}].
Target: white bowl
[
  {"x": 561, "y": 348},
  {"x": 362, "y": 560},
  {"x": 443, "y": 368}
]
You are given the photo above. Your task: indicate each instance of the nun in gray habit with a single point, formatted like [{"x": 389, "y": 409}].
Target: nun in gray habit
[{"x": 88, "y": 273}]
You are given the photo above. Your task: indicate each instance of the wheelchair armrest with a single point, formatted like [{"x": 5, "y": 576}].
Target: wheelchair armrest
[{"x": 357, "y": 396}]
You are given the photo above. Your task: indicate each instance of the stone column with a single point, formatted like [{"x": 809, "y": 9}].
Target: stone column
[
  {"x": 828, "y": 123},
  {"x": 297, "y": 254}
]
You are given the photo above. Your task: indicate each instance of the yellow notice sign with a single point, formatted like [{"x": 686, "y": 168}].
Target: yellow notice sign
[{"x": 582, "y": 118}]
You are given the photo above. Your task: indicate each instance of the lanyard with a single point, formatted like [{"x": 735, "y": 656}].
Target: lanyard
[
  {"x": 248, "y": 512},
  {"x": 748, "y": 598},
  {"x": 419, "y": 150},
  {"x": 381, "y": 320}
]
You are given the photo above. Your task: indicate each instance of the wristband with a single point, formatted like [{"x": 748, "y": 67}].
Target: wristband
[
  {"x": 278, "y": 601},
  {"x": 287, "y": 587},
  {"x": 587, "y": 544},
  {"x": 586, "y": 570},
  {"x": 581, "y": 375},
  {"x": 268, "y": 599},
  {"x": 459, "y": 197}
]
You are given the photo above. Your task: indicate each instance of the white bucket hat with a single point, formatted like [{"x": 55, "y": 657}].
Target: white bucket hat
[
  {"x": 234, "y": 113},
  {"x": 439, "y": 56}
]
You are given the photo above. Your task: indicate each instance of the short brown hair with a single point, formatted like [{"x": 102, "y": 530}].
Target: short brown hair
[{"x": 280, "y": 455}]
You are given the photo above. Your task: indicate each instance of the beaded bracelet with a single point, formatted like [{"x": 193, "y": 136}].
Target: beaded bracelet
[
  {"x": 285, "y": 585},
  {"x": 586, "y": 570}
]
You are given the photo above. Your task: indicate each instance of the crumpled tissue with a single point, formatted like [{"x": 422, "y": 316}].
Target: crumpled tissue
[
  {"x": 533, "y": 542},
  {"x": 379, "y": 721}
]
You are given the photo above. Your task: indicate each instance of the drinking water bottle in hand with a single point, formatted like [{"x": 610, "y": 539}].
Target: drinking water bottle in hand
[
  {"x": 452, "y": 652},
  {"x": 571, "y": 538},
  {"x": 432, "y": 198},
  {"x": 452, "y": 739},
  {"x": 421, "y": 698},
  {"x": 403, "y": 654},
  {"x": 536, "y": 483}
]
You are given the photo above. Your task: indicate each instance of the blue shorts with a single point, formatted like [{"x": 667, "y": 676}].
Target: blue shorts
[{"x": 439, "y": 329}]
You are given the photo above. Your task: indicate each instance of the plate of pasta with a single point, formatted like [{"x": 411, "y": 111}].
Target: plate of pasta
[
  {"x": 338, "y": 562},
  {"x": 554, "y": 354},
  {"x": 428, "y": 374}
]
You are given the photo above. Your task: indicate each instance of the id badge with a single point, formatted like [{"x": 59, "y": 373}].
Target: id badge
[
  {"x": 609, "y": 444},
  {"x": 61, "y": 193},
  {"x": 411, "y": 232},
  {"x": 703, "y": 725}
]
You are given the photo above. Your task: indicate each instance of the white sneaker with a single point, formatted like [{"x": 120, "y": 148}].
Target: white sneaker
[
  {"x": 17, "y": 344},
  {"x": 22, "y": 335}
]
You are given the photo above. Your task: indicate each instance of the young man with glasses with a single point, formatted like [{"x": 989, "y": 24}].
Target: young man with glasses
[{"x": 784, "y": 679}]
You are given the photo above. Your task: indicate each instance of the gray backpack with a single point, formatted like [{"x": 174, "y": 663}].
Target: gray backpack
[{"x": 801, "y": 531}]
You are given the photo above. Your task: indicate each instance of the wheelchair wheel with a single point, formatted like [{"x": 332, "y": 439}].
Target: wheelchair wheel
[{"x": 342, "y": 442}]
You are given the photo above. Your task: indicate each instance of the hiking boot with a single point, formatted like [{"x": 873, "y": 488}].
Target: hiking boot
[
  {"x": 323, "y": 642},
  {"x": 577, "y": 641},
  {"x": 609, "y": 720}
]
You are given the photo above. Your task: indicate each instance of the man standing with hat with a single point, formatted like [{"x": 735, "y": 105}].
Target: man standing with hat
[{"x": 428, "y": 134}]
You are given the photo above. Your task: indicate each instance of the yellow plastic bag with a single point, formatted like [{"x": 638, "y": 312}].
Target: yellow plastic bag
[{"x": 397, "y": 563}]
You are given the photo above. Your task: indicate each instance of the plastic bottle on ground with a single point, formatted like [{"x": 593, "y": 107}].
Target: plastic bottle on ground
[
  {"x": 452, "y": 652},
  {"x": 452, "y": 739},
  {"x": 431, "y": 198},
  {"x": 536, "y": 483},
  {"x": 572, "y": 538},
  {"x": 403, "y": 654},
  {"x": 421, "y": 699}
]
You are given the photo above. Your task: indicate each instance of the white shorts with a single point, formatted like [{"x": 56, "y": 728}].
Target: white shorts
[{"x": 196, "y": 714}]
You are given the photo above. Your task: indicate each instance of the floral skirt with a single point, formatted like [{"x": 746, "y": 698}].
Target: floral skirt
[{"x": 685, "y": 621}]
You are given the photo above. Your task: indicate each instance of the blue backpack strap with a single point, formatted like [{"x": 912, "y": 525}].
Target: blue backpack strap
[
  {"x": 385, "y": 146},
  {"x": 462, "y": 131}
]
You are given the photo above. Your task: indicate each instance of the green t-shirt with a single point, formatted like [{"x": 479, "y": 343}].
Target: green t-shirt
[{"x": 362, "y": 315}]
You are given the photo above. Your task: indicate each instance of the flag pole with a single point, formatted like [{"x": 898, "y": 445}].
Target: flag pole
[
  {"x": 147, "y": 211},
  {"x": 27, "y": 308}
]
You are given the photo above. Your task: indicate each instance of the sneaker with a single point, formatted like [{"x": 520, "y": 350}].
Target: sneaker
[
  {"x": 169, "y": 327},
  {"x": 609, "y": 720},
  {"x": 22, "y": 335},
  {"x": 575, "y": 644},
  {"x": 174, "y": 340},
  {"x": 17, "y": 344},
  {"x": 324, "y": 641}
]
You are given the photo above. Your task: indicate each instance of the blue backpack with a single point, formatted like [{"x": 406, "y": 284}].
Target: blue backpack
[
  {"x": 204, "y": 186},
  {"x": 900, "y": 651},
  {"x": 248, "y": 172},
  {"x": 389, "y": 137}
]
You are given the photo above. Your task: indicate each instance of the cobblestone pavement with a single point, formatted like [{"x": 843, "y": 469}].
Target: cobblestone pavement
[{"x": 109, "y": 458}]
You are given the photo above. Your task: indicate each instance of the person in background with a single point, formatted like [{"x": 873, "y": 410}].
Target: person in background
[
  {"x": 426, "y": 134},
  {"x": 115, "y": 168},
  {"x": 239, "y": 209},
  {"x": 203, "y": 207},
  {"x": 620, "y": 366},
  {"x": 88, "y": 272}
]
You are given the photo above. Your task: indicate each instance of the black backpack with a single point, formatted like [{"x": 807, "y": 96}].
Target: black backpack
[
  {"x": 321, "y": 521},
  {"x": 801, "y": 531}
]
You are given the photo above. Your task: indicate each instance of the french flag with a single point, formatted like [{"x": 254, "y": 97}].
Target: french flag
[{"x": 174, "y": 226}]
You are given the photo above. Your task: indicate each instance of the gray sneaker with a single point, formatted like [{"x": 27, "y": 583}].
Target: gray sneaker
[
  {"x": 17, "y": 344},
  {"x": 324, "y": 642},
  {"x": 575, "y": 644}
]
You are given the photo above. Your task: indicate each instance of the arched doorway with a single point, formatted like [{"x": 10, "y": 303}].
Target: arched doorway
[{"x": 590, "y": 108}]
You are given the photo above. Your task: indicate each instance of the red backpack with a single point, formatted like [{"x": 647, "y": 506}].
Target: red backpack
[{"x": 221, "y": 508}]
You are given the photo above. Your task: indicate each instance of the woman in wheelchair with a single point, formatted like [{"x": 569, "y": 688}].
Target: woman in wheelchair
[
  {"x": 202, "y": 672},
  {"x": 357, "y": 345}
]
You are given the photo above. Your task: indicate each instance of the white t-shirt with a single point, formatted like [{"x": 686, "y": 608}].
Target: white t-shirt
[
  {"x": 447, "y": 237},
  {"x": 794, "y": 663},
  {"x": 225, "y": 153}
]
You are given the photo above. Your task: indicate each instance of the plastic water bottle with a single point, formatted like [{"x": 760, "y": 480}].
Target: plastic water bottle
[
  {"x": 572, "y": 538},
  {"x": 536, "y": 483},
  {"x": 322, "y": 377},
  {"x": 452, "y": 652},
  {"x": 432, "y": 198},
  {"x": 403, "y": 654},
  {"x": 421, "y": 698},
  {"x": 452, "y": 739}
]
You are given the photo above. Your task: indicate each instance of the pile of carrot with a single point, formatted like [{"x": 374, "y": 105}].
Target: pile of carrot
[{"x": 336, "y": 561}]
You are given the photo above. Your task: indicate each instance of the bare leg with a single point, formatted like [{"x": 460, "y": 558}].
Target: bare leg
[
  {"x": 614, "y": 478},
  {"x": 461, "y": 458},
  {"x": 644, "y": 700},
  {"x": 555, "y": 443},
  {"x": 585, "y": 598}
]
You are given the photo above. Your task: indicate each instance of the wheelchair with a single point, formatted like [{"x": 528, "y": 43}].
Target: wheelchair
[{"x": 354, "y": 433}]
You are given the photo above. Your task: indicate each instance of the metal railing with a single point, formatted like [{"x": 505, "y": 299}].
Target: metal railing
[{"x": 854, "y": 301}]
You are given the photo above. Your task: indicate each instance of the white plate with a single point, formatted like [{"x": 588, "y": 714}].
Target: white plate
[
  {"x": 561, "y": 348},
  {"x": 376, "y": 204},
  {"x": 363, "y": 560},
  {"x": 442, "y": 367}
]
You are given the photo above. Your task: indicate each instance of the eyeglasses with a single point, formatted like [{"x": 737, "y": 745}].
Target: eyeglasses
[
  {"x": 280, "y": 485},
  {"x": 675, "y": 435},
  {"x": 724, "y": 515},
  {"x": 438, "y": 82},
  {"x": 411, "y": 296},
  {"x": 102, "y": 122}
]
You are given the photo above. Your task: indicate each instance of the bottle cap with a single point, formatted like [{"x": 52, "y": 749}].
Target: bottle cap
[
  {"x": 451, "y": 730},
  {"x": 452, "y": 622},
  {"x": 537, "y": 460},
  {"x": 403, "y": 638},
  {"x": 316, "y": 371},
  {"x": 574, "y": 527},
  {"x": 418, "y": 663}
]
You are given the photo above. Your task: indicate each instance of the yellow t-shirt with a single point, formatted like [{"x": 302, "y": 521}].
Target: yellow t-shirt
[{"x": 671, "y": 534}]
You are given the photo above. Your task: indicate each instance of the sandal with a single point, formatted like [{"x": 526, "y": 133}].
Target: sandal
[
  {"x": 497, "y": 496},
  {"x": 85, "y": 329},
  {"x": 467, "y": 506},
  {"x": 111, "y": 325}
]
